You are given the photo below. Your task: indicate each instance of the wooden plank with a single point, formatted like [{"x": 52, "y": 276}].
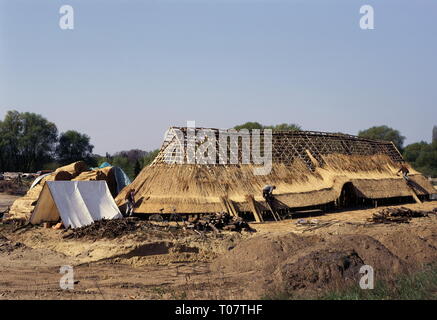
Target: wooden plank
[
  {"x": 413, "y": 193},
  {"x": 252, "y": 204},
  {"x": 232, "y": 207},
  {"x": 415, "y": 197},
  {"x": 275, "y": 215},
  {"x": 225, "y": 206},
  {"x": 229, "y": 206}
]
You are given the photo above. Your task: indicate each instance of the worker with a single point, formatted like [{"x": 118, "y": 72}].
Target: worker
[
  {"x": 404, "y": 171},
  {"x": 130, "y": 202},
  {"x": 267, "y": 192}
]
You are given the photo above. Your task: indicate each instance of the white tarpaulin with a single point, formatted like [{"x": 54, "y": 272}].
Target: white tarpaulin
[{"x": 77, "y": 203}]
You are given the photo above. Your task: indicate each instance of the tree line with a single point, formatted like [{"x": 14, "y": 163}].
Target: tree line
[{"x": 29, "y": 142}]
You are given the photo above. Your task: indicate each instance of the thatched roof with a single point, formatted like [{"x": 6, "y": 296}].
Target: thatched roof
[{"x": 308, "y": 169}]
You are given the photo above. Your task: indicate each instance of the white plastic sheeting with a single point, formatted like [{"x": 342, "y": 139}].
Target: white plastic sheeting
[
  {"x": 38, "y": 180},
  {"x": 77, "y": 203}
]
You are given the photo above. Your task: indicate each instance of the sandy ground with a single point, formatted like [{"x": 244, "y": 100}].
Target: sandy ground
[{"x": 279, "y": 256}]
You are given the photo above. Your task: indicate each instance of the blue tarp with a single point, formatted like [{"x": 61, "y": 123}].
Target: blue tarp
[
  {"x": 121, "y": 178},
  {"x": 104, "y": 165}
]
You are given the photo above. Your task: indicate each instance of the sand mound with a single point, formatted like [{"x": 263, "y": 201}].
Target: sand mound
[
  {"x": 319, "y": 269},
  {"x": 414, "y": 244},
  {"x": 291, "y": 262},
  {"x": 263, "y": 253}
]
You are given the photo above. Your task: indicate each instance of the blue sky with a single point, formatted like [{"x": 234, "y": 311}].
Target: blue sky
[{"x": 130, "y": 69}]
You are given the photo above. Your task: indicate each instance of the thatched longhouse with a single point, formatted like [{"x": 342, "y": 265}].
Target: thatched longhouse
[{"x": 309, "y": 169}]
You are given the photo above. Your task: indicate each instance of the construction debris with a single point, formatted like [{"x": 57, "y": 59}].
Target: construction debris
[
  {"x": 14, "y": 225},
  {"x": 104, "y": 229},
  {"x": 7, "y": 246},
  {"x": 220, "y": 221},
  {"x": 398, "y": 215},
  {"x": 307, "y": 222},
  {"x": 111, "y": 229},
  {"x": 314, "y": 224},
  {"x": 13, "y": 187}
]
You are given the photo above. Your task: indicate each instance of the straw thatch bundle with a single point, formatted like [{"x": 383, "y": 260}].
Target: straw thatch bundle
[
  {"x": 106, "y": 174},
  {"x": 74, "y": 168},
  {"x": 23, "y": 207},
  {"x": 62, "y": 176}
]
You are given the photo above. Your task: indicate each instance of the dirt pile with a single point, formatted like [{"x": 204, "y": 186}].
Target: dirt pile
[
  {"x": 320, "y": 269},
  {"x": 399, "y": 215},
  {"x": 262, "y": 253},
  {"x": 111, "y": 229},
  {"x": 291, "y": 262}
]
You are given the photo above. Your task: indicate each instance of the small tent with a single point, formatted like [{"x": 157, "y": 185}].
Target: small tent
[{"x": 77, "y": 203}]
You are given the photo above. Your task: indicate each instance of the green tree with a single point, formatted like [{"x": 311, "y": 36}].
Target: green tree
[
  {"x": 285, "y": 127},
  {"x": 149, "y": 157},
  {"x": 278, "y": 127},
  {"x": 27, "y": 141},
  {"x": 423, "y": 157},
  {"x": 384, "y": 133},
  {"x": 74, "y": 146},
  {"x": 123, "y": 162},
  {"x": 137, "y": 168},
  {"x": 412, "y": 151},
  {"x": 426, "y": 162},
  {"x": 249, "y": 125}
]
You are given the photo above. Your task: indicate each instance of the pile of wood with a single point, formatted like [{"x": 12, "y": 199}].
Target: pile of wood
[
  {"x": 220, "y": 221},
  {"x": 398, "y": 215}
]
